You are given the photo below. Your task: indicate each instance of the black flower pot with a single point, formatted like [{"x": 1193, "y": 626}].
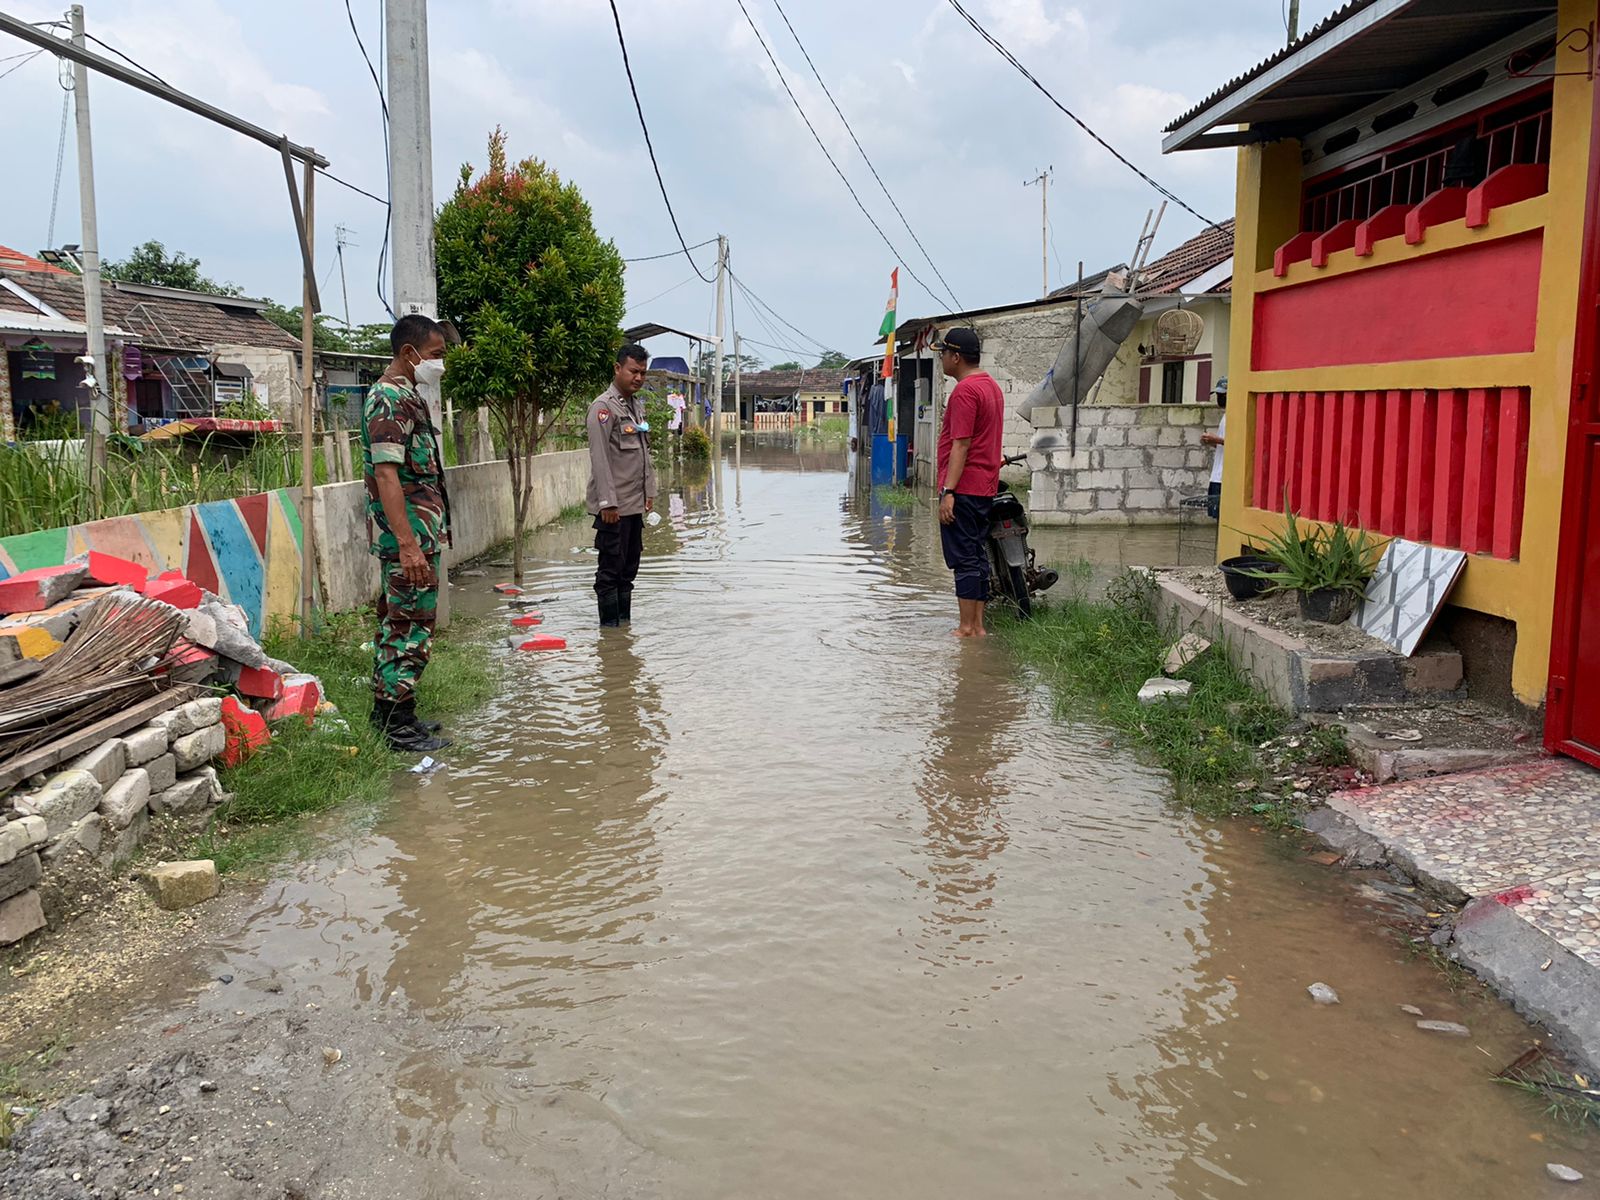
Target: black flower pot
[
  {"x": 1240, "y": 585},
  {"x": 1331, "y": 606}
]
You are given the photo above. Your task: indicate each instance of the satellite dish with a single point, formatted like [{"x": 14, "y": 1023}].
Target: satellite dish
[{"x": 1178, "y": 332}]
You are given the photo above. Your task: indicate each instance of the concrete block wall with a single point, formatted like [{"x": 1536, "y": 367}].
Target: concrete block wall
[
  {"x": 96, "y": 811},
  {"x": 1133, "y": 464}
]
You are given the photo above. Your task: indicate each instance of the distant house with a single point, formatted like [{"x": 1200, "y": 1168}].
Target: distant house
[
  {"x": 1108, "y": 479},
  {"x": 171, "y": 353},
  {"x": 783, "y": 399}
]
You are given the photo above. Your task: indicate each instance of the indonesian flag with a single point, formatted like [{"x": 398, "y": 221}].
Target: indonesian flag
[{"x": 886, "y": 330}]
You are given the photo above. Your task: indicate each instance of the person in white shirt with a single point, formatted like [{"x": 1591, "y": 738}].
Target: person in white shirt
[{"x": 1214, "y": 493}]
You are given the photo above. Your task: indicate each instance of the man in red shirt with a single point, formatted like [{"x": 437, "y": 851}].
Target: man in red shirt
[{"x": 969, "y": 472}]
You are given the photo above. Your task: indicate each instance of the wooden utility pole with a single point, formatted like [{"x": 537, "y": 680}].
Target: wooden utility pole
[
  {"x": 308, "y": 394},
  {"x": 1043, "y": 180},
  {"x": 93, "y": 318}
]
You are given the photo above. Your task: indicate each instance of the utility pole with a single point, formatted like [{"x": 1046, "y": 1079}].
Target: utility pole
[
  {"x": 1043, "y": 180},
  {"x": 308, "y": 396},
  {"x": 738, "y": 407},
  {"x": 410, "y": 158},
  {"x": 341, "y": 239},
  {"x": 716, "y": 409},
  {"x": 93, "y": 318},
  {"x": 1294, "y": 19}
]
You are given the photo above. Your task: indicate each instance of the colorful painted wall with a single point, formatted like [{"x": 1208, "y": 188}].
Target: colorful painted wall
[
  {"x": 246, "y": 550},
  {"x": 1389, "y": 376}
]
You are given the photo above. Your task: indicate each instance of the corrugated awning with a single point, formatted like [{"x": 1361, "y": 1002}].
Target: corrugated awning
[{"x": 1368, "y": 50}]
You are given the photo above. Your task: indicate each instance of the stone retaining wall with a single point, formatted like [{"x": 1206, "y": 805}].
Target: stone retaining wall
[
  {"x": 98, "y": 808},
  {"x": 1133, "y": 464}
]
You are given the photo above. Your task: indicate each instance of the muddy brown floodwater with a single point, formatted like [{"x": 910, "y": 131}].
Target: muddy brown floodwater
[{"x": 785, "y": 893}]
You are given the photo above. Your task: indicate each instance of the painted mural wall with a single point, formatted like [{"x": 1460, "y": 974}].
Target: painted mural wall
[{"x": 246, "y": 550}]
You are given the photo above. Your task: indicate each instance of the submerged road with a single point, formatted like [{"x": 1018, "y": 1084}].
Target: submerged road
[{"x": 785, "y": 893}]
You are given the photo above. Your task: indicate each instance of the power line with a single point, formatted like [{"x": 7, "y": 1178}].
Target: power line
[
  {"x": 899, "y": 258},
  {"x": 360, "y": 191},
  {"x": 807, "y": 54},
  {"x": 20, "y": 65},
  {"x": 757, "y": 299},
  {"x": 639, "y": 108},
  {"x": 672, "y": 253},
  {"x": 658, "y": 295},
  {"x": 61, "y": 158},
  {"x": 1077, "y": 120},
  {"x": 383, "y": 104},
  {"x": 136, "y": 65}
]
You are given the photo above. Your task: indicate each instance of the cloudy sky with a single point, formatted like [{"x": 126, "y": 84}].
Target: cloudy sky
[{"x": 952, "y": 129}]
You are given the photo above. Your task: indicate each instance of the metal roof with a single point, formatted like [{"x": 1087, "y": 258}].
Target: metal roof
[
  {"x": 1365, "y": 51},
  {"x": 639, "y": 333}
]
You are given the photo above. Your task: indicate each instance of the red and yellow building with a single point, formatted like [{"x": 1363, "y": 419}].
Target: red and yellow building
[{"x": 1416, "y": 290}]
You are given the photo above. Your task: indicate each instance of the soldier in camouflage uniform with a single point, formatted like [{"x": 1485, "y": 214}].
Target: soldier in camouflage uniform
[{"x": 408, "y": 518}]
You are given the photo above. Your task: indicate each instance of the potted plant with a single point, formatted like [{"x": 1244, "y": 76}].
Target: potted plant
[{"x": 1327, "y": 566}]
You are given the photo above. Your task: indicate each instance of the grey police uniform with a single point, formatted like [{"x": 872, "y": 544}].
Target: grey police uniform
[{"x": 621, "y": 476}]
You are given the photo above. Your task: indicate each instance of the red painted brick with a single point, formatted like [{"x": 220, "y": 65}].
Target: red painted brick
[
  {"x": 246, "y": 729},
  {"x": 179, "y": 592},
  {"x": 260, "y": 683},
  {"x": 109, "y": 569},
  {"x": 544, "y": 641},
  {"x": 301, "y": 697},
  {"x": 527, "y": 621},
  {"x": 38, "y": 589}
]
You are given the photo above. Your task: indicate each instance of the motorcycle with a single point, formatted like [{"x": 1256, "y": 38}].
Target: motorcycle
[{"x": 1015, "y": 575}]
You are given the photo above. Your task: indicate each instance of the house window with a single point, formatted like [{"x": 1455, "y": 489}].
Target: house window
[{"x": 1172, "y": 382}]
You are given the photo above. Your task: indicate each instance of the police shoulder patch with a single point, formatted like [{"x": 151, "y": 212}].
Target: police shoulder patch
[{"x": 603, "y": 415}]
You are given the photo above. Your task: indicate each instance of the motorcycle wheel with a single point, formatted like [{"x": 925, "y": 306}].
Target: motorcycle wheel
[{"x": 1010, "y": 583}]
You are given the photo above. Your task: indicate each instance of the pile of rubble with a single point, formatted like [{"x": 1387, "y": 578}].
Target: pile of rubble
[{"x": 80, "y": 781}]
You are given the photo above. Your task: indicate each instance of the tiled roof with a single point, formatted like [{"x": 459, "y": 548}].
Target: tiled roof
[
  {"x": 1337, "y": 17},
  {"x": 811, "y": 378},
  {"x": 159, "y": 321},
  {"x": 16, "y": 260},
  {"x": 1210, "y": 248}
]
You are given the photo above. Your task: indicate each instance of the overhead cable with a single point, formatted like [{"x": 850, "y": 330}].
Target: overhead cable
[
  {"x": 807, "y": 54},
  {"x": 20, "y": 65},
  {"x": 383, "y": 105},
  {"x": 899, "y": 258},
  {"x": 1077, "y": 120},
  {"x": 672, "y": 253},
  {"x": 360, "y": 191},
  {"x": 645, "y": 128},
  {"x": 658, "y": 295},
  {"x": 138, "y": 66},
  {"x": 757, "y": 299}
]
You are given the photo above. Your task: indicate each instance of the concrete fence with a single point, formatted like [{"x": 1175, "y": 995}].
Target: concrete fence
[
  {"x": 248, "y": 549},
  {"x": 1133, "y": 463}
]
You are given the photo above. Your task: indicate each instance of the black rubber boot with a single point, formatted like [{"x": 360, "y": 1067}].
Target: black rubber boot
[
  {"x": 625, "y": 606},
  {"x": 610, "y": 610},
  {"x": 406, "y": 735}
]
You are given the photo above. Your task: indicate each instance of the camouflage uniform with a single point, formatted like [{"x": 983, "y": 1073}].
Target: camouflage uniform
[{"x": 396, "y": 428}]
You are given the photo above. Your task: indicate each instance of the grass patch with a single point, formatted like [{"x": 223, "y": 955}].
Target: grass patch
[
  {"x": 1095, "y": 655},
  {"x": 895, "y": 495},
  {"x": 832, "y": 428},
  {"x": 1562, "y": 1095},
  {"x": 307, "y": 771},
  {"x": 572, "y": 512},
  {"x": 19, "y": 1088}
]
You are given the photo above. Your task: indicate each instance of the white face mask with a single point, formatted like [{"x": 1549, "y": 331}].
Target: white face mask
[{"x": 430, "y": 371}]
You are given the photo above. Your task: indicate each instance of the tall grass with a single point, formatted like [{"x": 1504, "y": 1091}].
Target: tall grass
[
  {"x": 1094, "y": 655},
  {"x": 43, "y": 485}
]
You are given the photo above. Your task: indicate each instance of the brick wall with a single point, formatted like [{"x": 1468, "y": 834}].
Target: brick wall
[{"x": 1132, "y": 465}]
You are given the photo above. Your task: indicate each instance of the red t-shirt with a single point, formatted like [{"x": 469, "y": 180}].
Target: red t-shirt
[{"x": 977, "y": 410}]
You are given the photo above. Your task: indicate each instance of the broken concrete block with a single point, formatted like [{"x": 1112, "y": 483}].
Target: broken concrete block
[
  {"x": 21, "y": 835},
  {"x": 126, "y": 798},
  {"x": 117, "y": 572},
  {"x": 260, "y": 683},
  {"x": 302, "y": 695},
  {"x": 38, "y": 589},
  {"x": 144, "y": 744},
  {"x": 1158, "y": 689},
  {"x": 201, "y": 629},
  {"x": 205, "y": 711},
  {"x": 190, "y": 662},
  {"x": 200, "y": 747},
  {"x": 233, "y": 634},
  {"x": 191, "y": 794},
  {"x": 106, "y": 762},
  {"x": 179, "y": 592},
  {"x": 245, "y": 729},
  {"x": 66, "y": 798},
  {"x": 84, "y": 835},
  {"x": 163, "y": 773},
  {"x": 20, "y": 916},
  {"x": 20, "y": 874},
  {"x": 1184, "y": 651},
  {"x": 183, "y": 884}
]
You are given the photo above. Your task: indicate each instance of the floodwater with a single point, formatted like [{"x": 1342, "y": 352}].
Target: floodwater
[{"x": 785, "y": 893}]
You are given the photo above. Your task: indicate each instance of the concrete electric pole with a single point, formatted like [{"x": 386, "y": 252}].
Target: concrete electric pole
[
  {"x": 1294, "y": 20},
  {"x": 1043, "y": 180},
  {"x": 89, "y": 257},
  {"x": 738, "y": 405},
  {"x": 410, "y": 158},
  {"x": 716, "y": 404}
]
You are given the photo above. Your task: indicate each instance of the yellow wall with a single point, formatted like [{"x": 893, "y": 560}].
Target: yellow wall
[{"x": 1268, "y": 215}]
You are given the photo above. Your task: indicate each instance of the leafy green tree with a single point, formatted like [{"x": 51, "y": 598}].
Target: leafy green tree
[
  {"x": 330, "y": 336},
  {"x": 537, "y": 296},
  {"x": 151, "y": 264},
  {"x": 832, "y": 360},
  {"x": 791, "y": 365}
]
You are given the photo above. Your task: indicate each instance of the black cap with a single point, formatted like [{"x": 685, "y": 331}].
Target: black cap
[{"x": 963, "y": 340}]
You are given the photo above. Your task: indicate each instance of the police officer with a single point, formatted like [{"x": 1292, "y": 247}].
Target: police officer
[
  {"x": 408, "y": 521},
  {"x": 622, "y": 483}
]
